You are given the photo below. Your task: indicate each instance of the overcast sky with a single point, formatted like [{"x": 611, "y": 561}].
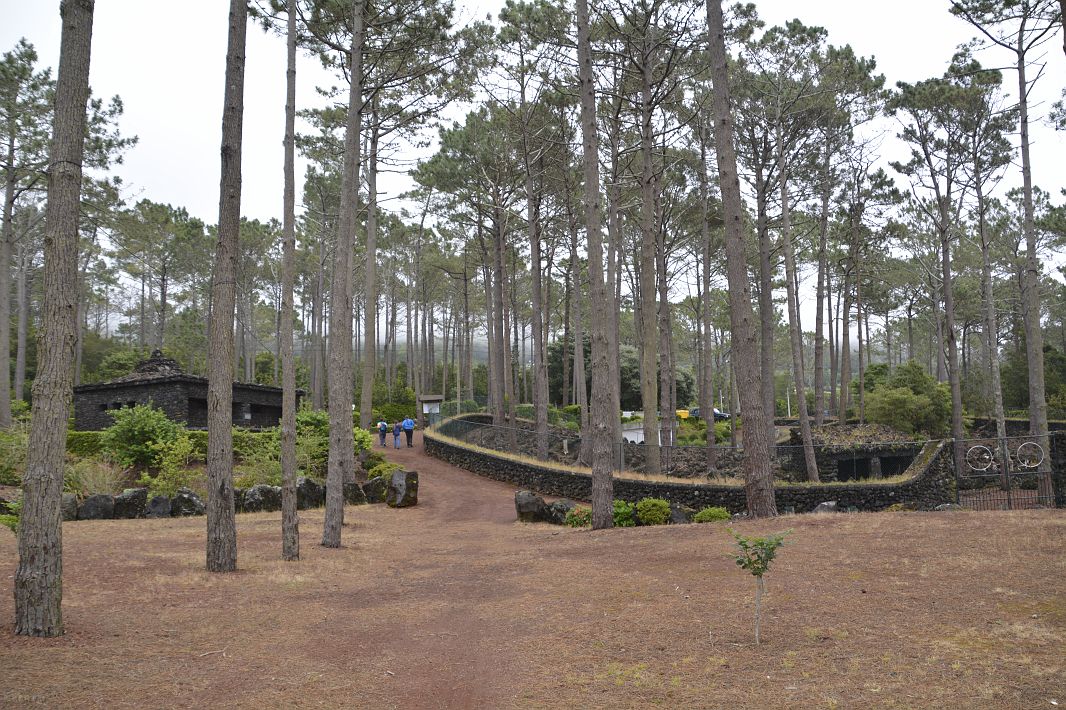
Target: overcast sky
[{"x": 166, "y": 61}]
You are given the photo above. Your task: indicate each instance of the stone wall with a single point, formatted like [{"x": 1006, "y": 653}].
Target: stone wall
[{"x": 932, "y": 482}]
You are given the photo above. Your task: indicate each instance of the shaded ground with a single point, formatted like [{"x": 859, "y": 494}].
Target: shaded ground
[{"x": 453, "y": 604}]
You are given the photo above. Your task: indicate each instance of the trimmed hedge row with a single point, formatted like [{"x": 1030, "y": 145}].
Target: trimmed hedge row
[{"x": 86, "y": 444}]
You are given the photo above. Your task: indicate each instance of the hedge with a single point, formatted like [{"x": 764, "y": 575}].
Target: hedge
[{"x": 85, "y": 444}]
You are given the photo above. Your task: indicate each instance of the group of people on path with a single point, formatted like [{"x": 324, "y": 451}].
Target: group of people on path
[{"x": 406, "y": 427}]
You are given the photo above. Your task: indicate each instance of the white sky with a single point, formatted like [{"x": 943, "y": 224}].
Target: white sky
[{"x": 166, "y": 60}]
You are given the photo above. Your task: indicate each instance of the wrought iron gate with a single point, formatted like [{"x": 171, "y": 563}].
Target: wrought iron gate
[{"x": 1004, "y": 474}]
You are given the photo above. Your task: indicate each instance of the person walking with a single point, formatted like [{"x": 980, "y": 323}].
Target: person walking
[
  {"x": 408, "y": 425},
  {"x": 396, "y": 429},
  {"x": 383, "y": 429}
]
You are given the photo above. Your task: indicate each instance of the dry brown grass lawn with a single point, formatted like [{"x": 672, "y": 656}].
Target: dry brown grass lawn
[{"x": 453, "y": 604}]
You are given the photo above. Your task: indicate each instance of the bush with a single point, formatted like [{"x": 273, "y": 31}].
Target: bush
[
  {"x": 175, "y": 458},
  {"x": 653, "y": 511},
  {"x": 129, "y": 440},
  {"x": 85, "y": 444},
  {"x": 11, "y": 520},
  {"x": 266, "y": 473},
  {"x": 911, "y": 401},
  {"x": 525, "y": 411},
  {"x": 86, "y": 477},
  {"x": 394, "y": 412},
  {"x": 372, "y": 460},
  {"x": 13, "y": 445},
  {"x": 384, "y": 470},
  {"x": 454, "y": 407},
  {"x": 256, "y": 446},
  {"x": 624, "y": 514},
  {"x": 580, "y": 516},
  {"x": 711, "y": 514}
]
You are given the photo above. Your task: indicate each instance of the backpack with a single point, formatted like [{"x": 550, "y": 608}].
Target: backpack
[{"x": 382, "y": 426}]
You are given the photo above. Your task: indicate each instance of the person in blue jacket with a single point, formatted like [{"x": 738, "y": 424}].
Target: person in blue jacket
[
  {"x": 408, "y": 430},
  {"x": 396, "y": 429}
]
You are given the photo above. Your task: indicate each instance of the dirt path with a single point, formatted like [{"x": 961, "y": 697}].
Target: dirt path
[{"x": 453, "y": 604}]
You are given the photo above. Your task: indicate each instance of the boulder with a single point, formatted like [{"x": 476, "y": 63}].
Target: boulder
[
  {"x": 376, "y": 489},
  {"x": 403, "y": 489},
  {"x": 69, "y": 506},
  {"x": 681, "y": 514},
  {"x": 158, "y": 507},
  {"x": 186, "y": 503},
  {"x": 98, "y": 507},
  {"x": 4, "y": 509},
  {"x": 353, "y": 494},
  {"x": 530, "y": 507},
  {"x": 131, "y": 503},
  {"x": 262, "y": 498},
  {"x": 829, "y": 506},
  {"x": 309, "y": 494},
  {"x": 555, "y": 513}
]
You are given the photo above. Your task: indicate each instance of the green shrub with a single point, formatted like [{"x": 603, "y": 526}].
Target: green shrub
[
  {"x": 86, "y": 477},
  {"x": 85, "y": 444},
  {"x": 711, "y": 514},
  {"x": 256, "y": 446},
  {"x": 257, "y": 473},
  {"x": 372, "y": 460},
  {"x": 454, "y": 407},
  {"x": 363, "y": 440},
  {"x": 129, "y": 440},
  {"x": 525, "y": 411},
  {"x": 384, "y": 470},
  {"x": 13, "y": 445},
  {"x": 394, "y": 412},
  {"x": 580, "y": 516},
  {"x": 624, "y": 514},
  {"x": 755, "y": 555},
  {"x": 175, "y": 459},
  {"x": 653, "y": 511},
  {"x": 198, "y": 437},
  {"x": 911, "y": 401},
  {"x": 11, "y": 520}
]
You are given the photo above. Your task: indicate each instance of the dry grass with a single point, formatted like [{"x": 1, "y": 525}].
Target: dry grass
[{"x": 453, "y": 604}]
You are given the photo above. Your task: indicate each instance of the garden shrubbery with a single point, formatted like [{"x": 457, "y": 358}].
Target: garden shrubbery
[
  {"x": 580, "y": 516},
  {"x": 653, "y": 511},
  {"x": 910, "y": 401},
  {"x": 711, "y": 514},
  {"x": 624, "y": 514},
  {"x": 134, "y": 438}
]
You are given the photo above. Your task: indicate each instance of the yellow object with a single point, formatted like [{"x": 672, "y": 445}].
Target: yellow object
[{"x": 682, "y": 414}]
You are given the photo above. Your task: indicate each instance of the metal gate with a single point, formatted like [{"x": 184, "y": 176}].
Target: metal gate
[{"x": 1005, "y": 474}]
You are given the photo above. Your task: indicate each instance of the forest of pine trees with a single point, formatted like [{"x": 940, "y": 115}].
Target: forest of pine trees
[{"x": 617, "y": 205}]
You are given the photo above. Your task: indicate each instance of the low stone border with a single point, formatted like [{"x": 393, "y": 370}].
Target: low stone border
[
  {"x": 400, "y": 491},
  {"x": 932, "y": 483}
]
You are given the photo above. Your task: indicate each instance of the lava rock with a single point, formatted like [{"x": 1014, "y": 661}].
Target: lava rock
[
  {"x": 98, "y": 507},
  {"x": 353, "y": 494},
  {"x": 131, "y": 503},
  {"x": 186, "y": 503},
  {"x": 530, "y": 507},
  {"x": 262, "y": 498},
  {"x": 69, "y": 506},
  {"x": 309, "y": 494},
  {"x": 4, "y": 506},
  {"x": 681, "y": 514},
  {"x": 829, "y": 506},
  {"x": 158, "y": 507},
  {"x": 403, "y": 489},
  {"x": 555, "y": 513},
  {"x": 376, "y": 489}
]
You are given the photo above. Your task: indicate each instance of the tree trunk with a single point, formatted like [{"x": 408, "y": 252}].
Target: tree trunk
[
  {"x": 1034, "y": 336},
  {"x": 707, "y": 369},
  {"x": 794, "y": 328},
  {"x": 221, "y": 518},
  {"x": 370, "y": 281},
  {"x": 341, "y": 438},
  {"x": 819, "y": 348},
  {"x": 758, "y": 485},
  {"x": 844, "y": 348},
  {"x": 649, "y": 331},
  {"x": 602, "y": 414},
  {"x": 23, "y": 298},
  {"x": 957, "y": 432},
  {"x": 290, "y": 521},
  {"x": 7, "y": 239},
  {"x": 39, "y": 577}
]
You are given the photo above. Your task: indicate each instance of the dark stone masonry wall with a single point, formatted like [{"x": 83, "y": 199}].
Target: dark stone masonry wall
[{"x": 932, "y": 484}]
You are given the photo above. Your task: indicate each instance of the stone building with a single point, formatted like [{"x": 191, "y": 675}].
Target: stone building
[{"x": 159, "y": 381}]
